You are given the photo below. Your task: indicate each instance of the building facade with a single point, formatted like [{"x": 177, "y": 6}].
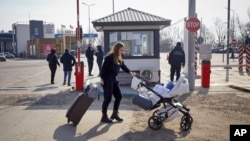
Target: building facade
[
  {"x": 5, "y": 42},
  {"x": 28, "y": 32}
]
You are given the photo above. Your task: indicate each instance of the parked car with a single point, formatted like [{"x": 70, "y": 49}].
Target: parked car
[
  {"x": 9, "y": 55},
  {"x": 217, "y": 50},
  {"x": 74, "y": 53},
  {"x": 231, "y": 49},
  {"x": 2, "y": 57}
]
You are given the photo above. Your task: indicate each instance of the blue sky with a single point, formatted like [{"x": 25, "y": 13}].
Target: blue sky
[{"x": 64, "y": 11}]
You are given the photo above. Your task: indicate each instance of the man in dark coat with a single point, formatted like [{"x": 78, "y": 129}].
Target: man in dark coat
[
  {"x": 68, "y": 61},
  {"x": 99, "y": 58},
  {"x": 53, "y": 62},
  {"x": 90, "y": 58},
  {"x": 176, "y": 60}
]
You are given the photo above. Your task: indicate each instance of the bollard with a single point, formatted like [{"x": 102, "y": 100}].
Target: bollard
[
  {"x": 248, "y": 58},
  {"x": 205, "y": 73},
  {"x": 79, "y": 75},
  {"x": 241, "y": 50}
]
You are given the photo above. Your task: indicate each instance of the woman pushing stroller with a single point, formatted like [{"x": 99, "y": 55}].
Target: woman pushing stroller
[{"x": 109, "y": 71}]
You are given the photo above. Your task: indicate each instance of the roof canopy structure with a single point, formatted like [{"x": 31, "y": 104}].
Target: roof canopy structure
[{"x": 130, "y": 19}]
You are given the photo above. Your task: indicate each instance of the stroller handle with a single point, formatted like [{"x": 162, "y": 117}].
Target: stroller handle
[{"x": 142, "y": 78}]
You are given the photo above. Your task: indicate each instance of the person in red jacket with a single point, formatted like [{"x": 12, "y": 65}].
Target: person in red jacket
[{"x": 110, "y": 69}]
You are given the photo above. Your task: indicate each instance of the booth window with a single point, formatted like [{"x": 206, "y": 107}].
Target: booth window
[{"x": 137, "y": 43}]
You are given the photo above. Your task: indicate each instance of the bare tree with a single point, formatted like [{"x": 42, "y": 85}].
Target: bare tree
[
  {"x": 169, "y": 36},
  {"x": 219, "y": 27},
  {"x": 243, "y": 29},
  {"x": 207, "y": 35}
]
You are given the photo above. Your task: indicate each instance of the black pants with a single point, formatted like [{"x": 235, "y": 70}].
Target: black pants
[
  {"x": 90, "y": 65},
  {"x": 99, "y": 67},
  {"x": 111, "y": 87},
  {"x": 53, "y": 72},
  {"x": 173, "y": 70}
]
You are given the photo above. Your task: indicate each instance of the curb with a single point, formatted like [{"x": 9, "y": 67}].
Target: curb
[{"x": 239, "y": 88}]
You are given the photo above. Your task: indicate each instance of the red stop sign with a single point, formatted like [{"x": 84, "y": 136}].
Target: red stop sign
[
  {"x": 193, "y": 24},
  {"x": 234, "y": 41}
]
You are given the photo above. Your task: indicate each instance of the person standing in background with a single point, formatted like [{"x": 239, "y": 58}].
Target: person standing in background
[
  {"x": 68, "y": 61},
  {"x": 176, "y": 60},
  {"x": 90, "y": 58},
  {"x": 99, "y": 58},
  {"x": 53, "y": 62}
]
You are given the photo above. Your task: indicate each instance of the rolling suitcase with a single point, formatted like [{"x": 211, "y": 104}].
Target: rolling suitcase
[{"x": 82, "y": 103}]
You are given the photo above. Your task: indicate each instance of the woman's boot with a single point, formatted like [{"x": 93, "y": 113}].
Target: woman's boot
[
  {"x": 115, "y": 116},
  {"x": 105, "y": 118}
]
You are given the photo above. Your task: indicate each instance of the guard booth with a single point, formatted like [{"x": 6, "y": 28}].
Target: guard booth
[{"x": 139, "y": 31}]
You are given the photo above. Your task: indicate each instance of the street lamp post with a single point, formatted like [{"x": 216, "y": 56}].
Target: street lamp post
[
  {"x": 228, "y": 32},
  {"x": 113, "y": 6},
  {"x": 89, "y": 5}
]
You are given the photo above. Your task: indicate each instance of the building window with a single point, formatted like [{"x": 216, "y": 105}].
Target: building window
[{"x": 137, "y": 43}]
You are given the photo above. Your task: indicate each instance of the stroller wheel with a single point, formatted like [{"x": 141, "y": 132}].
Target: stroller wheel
[
  {"x": 156, "y": 113},
  {"x": 187, "y": 116},
  {"x": 155, "y": 122},
  {"x": 186, "y": 122}
]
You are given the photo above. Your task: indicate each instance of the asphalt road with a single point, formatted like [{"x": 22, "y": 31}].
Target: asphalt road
[{"x": 23, "y": 74}]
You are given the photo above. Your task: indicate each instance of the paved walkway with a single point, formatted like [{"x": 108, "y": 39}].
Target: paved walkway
[{"x": 48, "y": 122}]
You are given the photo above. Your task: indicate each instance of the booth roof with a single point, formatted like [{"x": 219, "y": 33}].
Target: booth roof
[{"x": 131, "y": 17}]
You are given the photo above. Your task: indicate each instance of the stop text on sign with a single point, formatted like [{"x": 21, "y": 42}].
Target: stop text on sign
[{"x": 193, "y": 24}]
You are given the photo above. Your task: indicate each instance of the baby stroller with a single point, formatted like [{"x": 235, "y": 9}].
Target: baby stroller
[{"x": 163, "y": 100}]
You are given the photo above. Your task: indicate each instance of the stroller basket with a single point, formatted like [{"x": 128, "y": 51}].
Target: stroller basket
[{"x": 142, "y": 102}]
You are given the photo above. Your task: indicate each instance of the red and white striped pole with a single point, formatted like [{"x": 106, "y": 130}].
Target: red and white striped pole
[
  {"x": 248, "y": 58},
  {"x": 79, "y": 70},
  {"x": 241, "y": 50},
  {"x": 195, "y": 52},
  {"x": 78, "y": 35}
]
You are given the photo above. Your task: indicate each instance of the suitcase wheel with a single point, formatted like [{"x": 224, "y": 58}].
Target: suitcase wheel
[{"x": 68, "y": 120}]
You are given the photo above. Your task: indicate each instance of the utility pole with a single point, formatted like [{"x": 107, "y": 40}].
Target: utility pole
[
  {"x": 191, "y": 54},
  {"x": 228, "y": 36},
  {"x": 113, "y": 6}
]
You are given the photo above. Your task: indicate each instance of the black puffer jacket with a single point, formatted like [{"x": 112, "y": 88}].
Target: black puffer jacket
[
  {"x": 110, "y": 69},
  {"x": 68, "y": 61},
  {"x": 99, "y": 56},
  {"x": 177, "y": 57},
  {"x": 52, "y": 59},
  {"x": 89, "y": 53}
]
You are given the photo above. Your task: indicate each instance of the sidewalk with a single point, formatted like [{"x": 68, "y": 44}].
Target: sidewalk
[{"x": 46, "y": 122}]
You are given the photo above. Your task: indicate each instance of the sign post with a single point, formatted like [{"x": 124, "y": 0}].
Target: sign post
[{"x": 79, "y": 70}]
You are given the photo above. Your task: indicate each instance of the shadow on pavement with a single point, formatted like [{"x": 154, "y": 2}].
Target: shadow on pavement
[
  {"x": 67, "y": 132},
  {"x": 45, "y": 87},
  {"x": 149, "y": 135}
]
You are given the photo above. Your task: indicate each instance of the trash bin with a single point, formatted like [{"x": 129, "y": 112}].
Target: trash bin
[
  {"x": 79, "y": 75},
  {"x": 205, "y": 73}
]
